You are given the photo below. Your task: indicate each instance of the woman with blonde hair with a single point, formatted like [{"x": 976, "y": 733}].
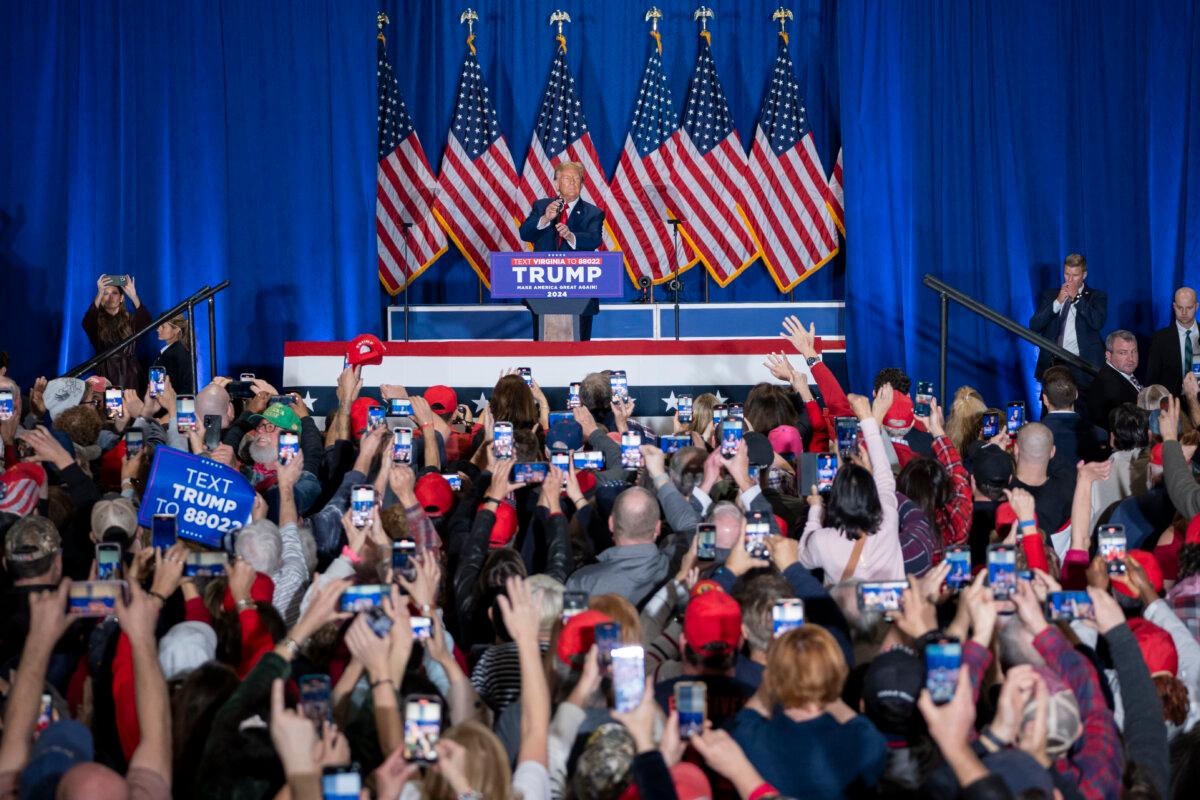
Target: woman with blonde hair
[
  {"x": 175, "y": 357},
  {"x": 966, "y": 418}
]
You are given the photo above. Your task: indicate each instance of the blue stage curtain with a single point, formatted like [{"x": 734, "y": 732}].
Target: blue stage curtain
[
  {"x": 985, "y": 141},
  {"x": 195, "y": 141}
]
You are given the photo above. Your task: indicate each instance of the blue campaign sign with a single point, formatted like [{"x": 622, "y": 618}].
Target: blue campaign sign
[
  {"x": 207, "y": 498},
  {"x": 544, "y": 275}
]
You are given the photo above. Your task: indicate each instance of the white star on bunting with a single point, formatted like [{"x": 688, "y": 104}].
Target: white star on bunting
[
  {"x": 672, "y": 402},
  {"x": 309, "y": 401},
  {"x": 481, "y": 403}
]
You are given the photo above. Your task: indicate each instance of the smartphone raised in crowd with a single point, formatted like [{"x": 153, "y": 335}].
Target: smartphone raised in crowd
[
  {"x": 1112, "y": 545},
  {"x": 1002, "y": 570},
  {"x": 706, "y": 541},
  {"x": 108, "y": 561},
  {"x": 362, "y": 500},
  {"x": 991, "y": 424},
  {"x": 588, "y": 459},
  {"x": 683, "y": 405},
  {"x": 1016, "y": 417},
  {"x": 422, "y": 727},
  {"x": 943, "y": 659},
  {"x": 162, "y": 530},
  {"x": 403, "y": 553},
  {"x": 1069, "y": 606},
  {"x": 573, "y": 603},
  {"x": 880, "y": 597},
  {"x": 573, "y": 396},
  {"x": 731, "y": 435},
  {"x": 341, "y": 783},
  {"x": 786, "y": 614},
  {"x": 402, "y": 445},
  {"x": 376, "y": 417},
  {"x": 618, "y": 384},
  {"x": 212, "y": 432},
  {"x": 158, "y": 381},
  {"x": 133, "y": 443},
  {"x": 628, "y": 677},
  {"x": 7, "y": 409},
  {"x": 846, "y": 429},
  {"x": 757, "y": 530},
  {"x": 289, "y": 447},
  {"x": 959, "y": 559},
  {"x": 924, "y": 402},
  {"x": 502, "y": 440},
  {"x": 315, "y": 691},
  {"x": 631, "y": 450},
  {"x": 526, "y": 375},
  {"x": 185, "y": 413},
  {"x": 827, "y": 468},
  {"x": 114, "y": 403},
  {"x": 691, "y": 703},
  {"x": 530, "y": 471}
]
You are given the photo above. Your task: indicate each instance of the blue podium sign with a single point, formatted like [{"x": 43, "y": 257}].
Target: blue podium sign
[{"x": 556, "y": 275}]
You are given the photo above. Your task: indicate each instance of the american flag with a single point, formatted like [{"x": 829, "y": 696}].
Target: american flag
[
  {"x": 404, "y": 190},
  {"x": 711, "y": 168},
  {"x": 837, "y": 200},
  {"x": 478, "y": 199},
  {"x": 561, "y": 134},
  {"x": 788, "y": 190},
  {"x": 644, "y": 183}
]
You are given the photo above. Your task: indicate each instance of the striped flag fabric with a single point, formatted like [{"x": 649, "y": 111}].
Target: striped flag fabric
[
  {"x": 478, "y": 201},
  {"x": 561, "y": 134},
  {"x": 788, "y": 190},
  {"x": 645, "y": 183},
  {"x": 404, "y": 190},
  {"x": 712, "y": 167},
  {"x": 837, "y": 200}
]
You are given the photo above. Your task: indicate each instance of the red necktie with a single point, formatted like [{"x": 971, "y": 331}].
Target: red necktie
[{"x": 562, "y": 219}]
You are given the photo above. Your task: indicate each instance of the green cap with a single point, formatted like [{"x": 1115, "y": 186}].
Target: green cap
[{"x": 280, "y": 416}]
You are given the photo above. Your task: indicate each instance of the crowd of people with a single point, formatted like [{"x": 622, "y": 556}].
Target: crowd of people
[{"x": 860, "y": 595}]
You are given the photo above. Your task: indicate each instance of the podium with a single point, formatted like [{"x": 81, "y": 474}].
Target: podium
[{"x": 560, "y": 289}]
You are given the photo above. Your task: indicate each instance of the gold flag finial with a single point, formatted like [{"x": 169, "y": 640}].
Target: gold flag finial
[
  {"x": 470, "y": 17},
  {"x": 783, "y": 15},
  {"x": 558, "y": 18},
  {"x": 653, "y": 16},
  {"x": 704, "y": 14},
  {"x": 381, "y": 19}
]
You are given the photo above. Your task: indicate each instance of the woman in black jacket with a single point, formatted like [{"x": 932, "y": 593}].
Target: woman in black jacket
[{"x": 175, "y": 358}]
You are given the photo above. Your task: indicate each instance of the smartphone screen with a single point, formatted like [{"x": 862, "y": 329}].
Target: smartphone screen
[
  {"x": 340, "y": 783},
  {"x": 588, "y": 459},
  {"x": 691, "y": 704},
  {"x": 526, "y": 375},
  {"x": 757, "y": 530},
  {"x": 847, "y": 435},
  {"x": 315, "y": 691},
  {"x": 289, "y": 447},
  {"x": 422, "y": 727},
  {"x": 737, "y": 411},
  {"x": 185, "y": 413},
  {"x": 45, "y": 714},
  {"x": 362, "y": 500},
  {"x": 502, "y": 440},
  {"x": 1002, "y": 570},
  {"x": 607, "y": 637},
  {"x": 403, "y": 552},
  {"x": 628, "y": 677},
  {"x": 133, "y": 443},
  {"x": 400, "y": 407},
  {"x": 563, "y": 462},
  {"x": 683, "y": 404},
  {"x": 573, "y": 396},
  {"x": 943, "y": 659},
  {"x": 1112, "y": 548},
  {"x": 731, "y": 434},
  {"x": 1016, "y": 417},
  {"x": 114, "y": 404},
  {"x": 881, "y": 597},
  {"x": 560, "y": 416},
  {"x": 1069, "y": 606},
  {"x": 960, "y": 567},
  {"x": 529, "y": 471},
  {"x": 573, "y": 603},
  {"x": 924, "y": 402},
  {"x": 402, "y": 445},
  {"x": 246, "y": 376},
  {"x": 206, "y": 564},
  {"x": 212, "y": 432},
  {"x": 376, "y": 417},
  {"x": 361, "y": 597},
  {"x": 422, "y": 627},
  {"x": 991, "y": 424},
  {"x": 6, "y": 404},
  {"x": 706, "y": 541},
  {"x": 158, "y": 381},
  {"x": 787, "y": 613},
  {"x": 95, "y": 598},
  {"x": 108, "y": 561},
  {"x": 826, "y": 471},
  {"x": 618, "y": 384},
  {"x": 672, "y": 443},
  {"x": 631, "y": 450},
  {"x": 162, "y": 530},
  {"x": 454, "y": 479},
  {"x": 720, "y": 412}
]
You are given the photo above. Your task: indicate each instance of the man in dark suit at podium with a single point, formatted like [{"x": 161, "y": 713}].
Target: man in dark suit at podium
[
  {"x": 1174, "y": 348},
  {"x": 1072, "y": 316},
  {"x": 566, "y": 223}
]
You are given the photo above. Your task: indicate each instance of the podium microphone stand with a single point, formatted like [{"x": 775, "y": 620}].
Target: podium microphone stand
[
  {"x": 408, "y": 251},
  {"x": 674, "y": 285}
]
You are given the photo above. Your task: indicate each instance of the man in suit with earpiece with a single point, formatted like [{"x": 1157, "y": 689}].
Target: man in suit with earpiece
[{"x": 1072, "y": 316}]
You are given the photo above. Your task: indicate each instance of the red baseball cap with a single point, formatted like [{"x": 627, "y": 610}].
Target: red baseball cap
[
  {"x": 1157, "y": 647},
  {"x": 690, "y": 784},
  {"x": 786, "y": 440},
  {"x": 1006, "y": 517},
  {"x": 20, "y": 488},
  {"x": 1153, "y": 573},
  {"x": 1193, "y": 531},
  {"x": 783, "y": 526},
  {"x": 358, "y": 415},
  {"x": 578, "y": 636},
  {"x": 365, "y": 349},
  {"x": 441, "y": 399},
  {"x": 1156, "y": 455},
  {"x": 586, "y": 479},
  {"x": 713, "y": 622},
  {"x": 706, "y": 585},
  {"x": 505, "y": 526},
  {"x": 900, "y": 415},
  {"x": 434, "y": 494}
]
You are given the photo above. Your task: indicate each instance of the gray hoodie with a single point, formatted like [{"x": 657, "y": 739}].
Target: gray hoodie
[{"x": 633, "y": 571}]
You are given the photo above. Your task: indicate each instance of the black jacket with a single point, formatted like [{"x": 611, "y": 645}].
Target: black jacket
[
  {"x": 586, "y": 222},
  {"x": 176, "y": 359},
  {"x": 1165, "y": 363},
  {"x": 1091, "y": 310},
  {"x": 1109, "y": 390},
  {"x": 1073, "y": 440}
]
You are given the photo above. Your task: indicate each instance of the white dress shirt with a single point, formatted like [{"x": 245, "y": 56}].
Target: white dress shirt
[
  {"x": 1183, "y": 333},
  {"x": 1070, "y": 341},
  {"x": 570, "y": 237}
]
